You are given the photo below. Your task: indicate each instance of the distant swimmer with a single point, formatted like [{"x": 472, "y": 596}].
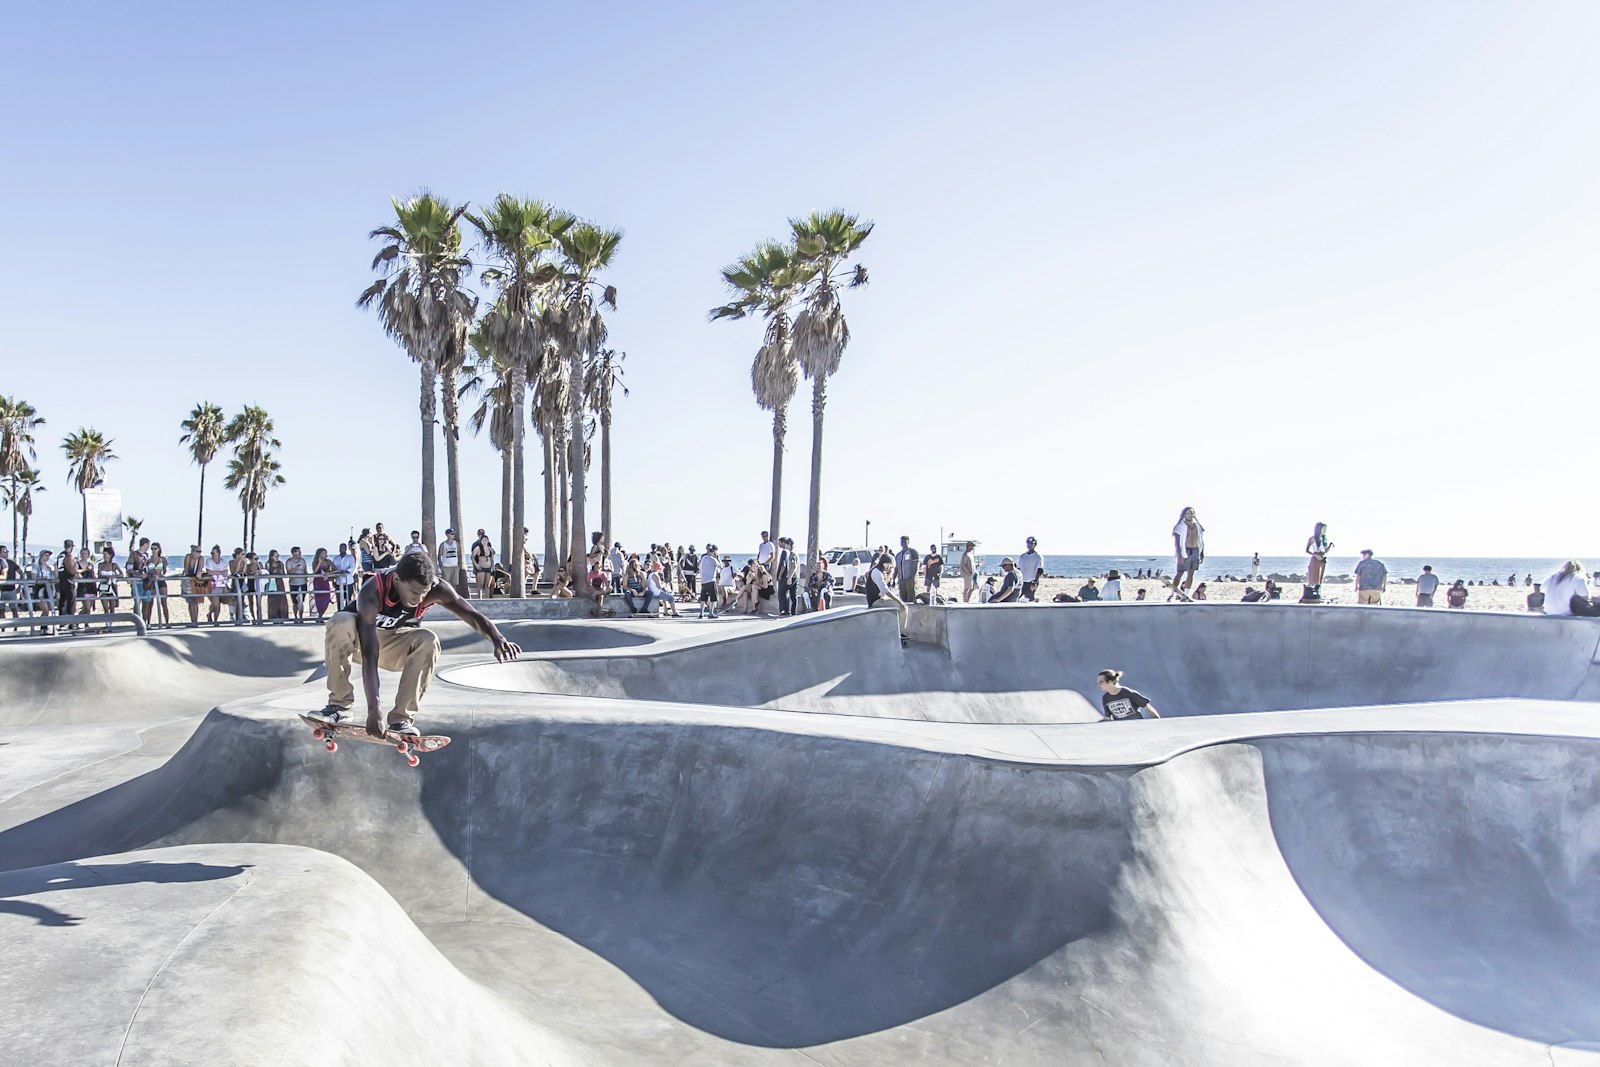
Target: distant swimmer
[
  {"x": 380, "y": 629},
  {"x": 1119, "y": 702}
]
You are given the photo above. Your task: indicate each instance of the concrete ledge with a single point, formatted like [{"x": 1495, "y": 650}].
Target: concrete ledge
[{"x": 33, "y": 622}]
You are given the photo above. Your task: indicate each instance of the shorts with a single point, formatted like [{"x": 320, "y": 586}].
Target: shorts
[
  {"x": 1424, "y": 600},
  {"x": 708, "y": 592},
  {"x": 1191, "y": 558},
  {"x": 1369, "y": 596}
]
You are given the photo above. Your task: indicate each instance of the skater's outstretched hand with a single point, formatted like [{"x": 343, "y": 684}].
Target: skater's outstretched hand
[
  {"x": 505, "y": 650},
  {"x": 375, "y": 725}
]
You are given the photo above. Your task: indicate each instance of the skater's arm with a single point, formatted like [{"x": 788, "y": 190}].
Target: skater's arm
[
  {"x": 367, "y": 637},
  {"x": 445, "y": 595}
]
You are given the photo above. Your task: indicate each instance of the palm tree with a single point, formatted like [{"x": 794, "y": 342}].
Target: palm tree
[
  {"x": 88, "y": 451},
  {"x": 422, "y": 304},
  {"x": 518, "y": 236},
  {"x": 766, "y": 282},
  {"x": 18, "y": 421},
  {"x": 488, "y": 376},
  {"x": 551, "y": 396},
  {"x": 824, "y": 241},
  {"x": 250, "y": 433},
  {"x": 605, "y": 379},
  {"x": 586, "y": 250},
  {"x": 133, "y": 527},
  {"x": 204, "y": 433},
  {"x": 19, "y": 497},
  {"x": 252, "y": 475}
]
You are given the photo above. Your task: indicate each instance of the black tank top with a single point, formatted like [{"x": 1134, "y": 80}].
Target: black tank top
[{"x": 392, "y": 614}]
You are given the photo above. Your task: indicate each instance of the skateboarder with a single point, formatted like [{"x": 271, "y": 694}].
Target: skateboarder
[
  {"x": 1119, "y": 702},
  {"x": 379, "y": 629}
]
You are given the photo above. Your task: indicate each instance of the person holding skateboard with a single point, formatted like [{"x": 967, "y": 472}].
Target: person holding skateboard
[{"x": 380, "y": 628}]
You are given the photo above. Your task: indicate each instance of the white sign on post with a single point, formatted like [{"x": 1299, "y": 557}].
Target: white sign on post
[{"x": 104, "y": 509}]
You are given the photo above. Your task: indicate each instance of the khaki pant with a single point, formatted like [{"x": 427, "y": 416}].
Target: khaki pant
[
  {"x": 1369, "y": 596},
  {"x": 454, "y": 578},
  {"x": 412, "y": 651}
]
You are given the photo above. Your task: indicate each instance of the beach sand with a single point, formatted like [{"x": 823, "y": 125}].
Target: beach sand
[{"x": 1479, "y": 597}]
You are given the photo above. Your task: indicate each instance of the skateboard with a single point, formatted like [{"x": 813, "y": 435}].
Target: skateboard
[{"x": 330, "y": 732}]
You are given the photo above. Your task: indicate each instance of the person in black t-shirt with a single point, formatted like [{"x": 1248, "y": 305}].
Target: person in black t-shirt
[{"x": 1119, "y": 702}]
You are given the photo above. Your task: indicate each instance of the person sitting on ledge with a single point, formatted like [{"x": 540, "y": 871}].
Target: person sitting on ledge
[{"x": 1010, "y": 588}]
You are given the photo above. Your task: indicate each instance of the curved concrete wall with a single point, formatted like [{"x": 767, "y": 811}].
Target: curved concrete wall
[{"x": 1038, "y": 663}]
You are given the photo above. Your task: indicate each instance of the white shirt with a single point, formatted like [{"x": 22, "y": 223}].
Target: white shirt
[
  {"x": 708, "y": 569},
  {"x": 764, "y": 553},
  {"x": 1558, "y": 593},
  {"x": 449, "y": 553},
  {"x": 618, "y": 562},
  {"x": 346, "y": 564},
  {"x": 725, "y": 575},
  {"x": 879, "y": 581},
  {"x": 652, "y": 585},
  {"x": 1112, "y": 590},
  {"x": 415, "y": 546},
  {"x": 1029, "y": 564},
  {"x": 1427, "y": 584}
]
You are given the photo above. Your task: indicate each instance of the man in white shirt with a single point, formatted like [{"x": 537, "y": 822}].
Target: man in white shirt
[
  {"x": 1030, "y": 568},
  {"x": 415, "y": 545},
  {"x": 724, "y": 582},
  {"x": 767, "y": 554},
  {"x": 619, "y": 563},
  {"x": 709, "y": 598},
  {"x": 450, "y": 562},
  {"x": 880, "y": 591},
  {"x": 1563, "y": 586},
  {"x": 345, "y": 564}
]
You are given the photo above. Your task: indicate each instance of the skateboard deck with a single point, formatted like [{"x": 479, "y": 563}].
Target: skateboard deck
[{"x": 329, "y": 733}]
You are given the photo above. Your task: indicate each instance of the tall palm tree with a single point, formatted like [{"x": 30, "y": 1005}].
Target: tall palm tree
[
  {"x": 423, "y": 304},
  {"x": 18, "y": 421},
  {"x": 252, "y": 474},
  {"x": 204, "y": 432},
  {"x": 487, "y": 375},
  {"x": 250, "y": 433},
  {"x": 518, "y": 236},
  {"x": 88, "y": 451},
  {"x": 824, "y": 240},
  {"x": 605, "y": 378},
  {"x": 19, "y": 497},
  {"x": 551, "y": 395},
  {"x": 454, "y": 360},
  {"x": 766, "y": 282},
  {"x": 586, "y": 250},
  {"x": 133, "y": 527}
]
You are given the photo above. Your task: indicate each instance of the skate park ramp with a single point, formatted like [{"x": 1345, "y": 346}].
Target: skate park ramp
[
  {"x": 599, "y": 880},
  {"x": 1032, "y": 664}
]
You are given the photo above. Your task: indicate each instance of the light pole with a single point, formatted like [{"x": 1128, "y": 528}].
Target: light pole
[{"x": 866, "y": 537}]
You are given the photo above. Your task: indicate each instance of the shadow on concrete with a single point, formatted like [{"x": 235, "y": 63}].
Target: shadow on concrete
[{"x": 56, "y": 878}]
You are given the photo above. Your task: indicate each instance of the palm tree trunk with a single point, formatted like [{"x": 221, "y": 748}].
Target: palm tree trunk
[
  {"x": 430, "y": 414},
  {"x": 244, "y": 536},
  {"x": 575, "y": 465},
  {"x": 25, "y": 517},
  {"x": 550, "y": 544},
  {"x": 511, "y": 546},
  {"x": 452, "y": 458},
  {"x": 819, "y": 401},
  {"x": 200, "y": 529},
  {"x": 566, "y": 512},
  {"x": 780, "y": 427},
  {"x": 14, "y": 518},
  {"x": 605, "y": 476},
  {"x": 84, "y": 497}
]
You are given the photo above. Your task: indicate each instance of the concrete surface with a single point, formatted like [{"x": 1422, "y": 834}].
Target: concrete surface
[{"x": 646, "y": 876}]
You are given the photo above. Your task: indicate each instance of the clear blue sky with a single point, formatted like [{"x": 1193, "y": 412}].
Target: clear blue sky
[{"x": 1283, "y": 262}]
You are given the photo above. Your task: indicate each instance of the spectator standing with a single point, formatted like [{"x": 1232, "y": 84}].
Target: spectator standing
[
  {"x": 905, "y": 570},
  {"x": 1030, "y": 569},
  {"x": 619, "y": 563},
  {"x": 1372, "y": 578},
  {"x": 1317, "y": 547},
  {"x": 10, "y": 583},
  {"x": 1189, "y": 544},
  {"x": 219, "y": 575},
  {"x": 1427, "y": 585},
  {"x": 1113, "y": 587},
  {"x": 297, "y": 568},
  {"x": 483, "y": 566},
  {"x": 416, "y": 544},
  {"x": 1255, "y": 567},
  {"x": 708, "y": 582},
  {"x": 969, "y": 573},
  {"x": 932, "y": 573},
  {"x": 67, "y": 581},
  {"x": 724, "y": 583},
  {"x": 195, "y": 584},
  {"x": 344, "y": 565},
  {"x": 1536, "y": 600},
  {"x": 784, "y": 573},
  {"x": 767, "y": 551},
  {"x": 450, "y": 563}
]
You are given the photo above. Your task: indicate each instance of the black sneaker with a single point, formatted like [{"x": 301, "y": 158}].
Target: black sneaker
[
  {"x": 405, "y": 729},
  {"x": 333, "y": 713}
]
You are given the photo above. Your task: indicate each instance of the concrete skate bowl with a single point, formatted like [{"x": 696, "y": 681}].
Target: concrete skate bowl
[
  {"x": 1037, "y": 664},
  {"x": 1321, "y": 899}
]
